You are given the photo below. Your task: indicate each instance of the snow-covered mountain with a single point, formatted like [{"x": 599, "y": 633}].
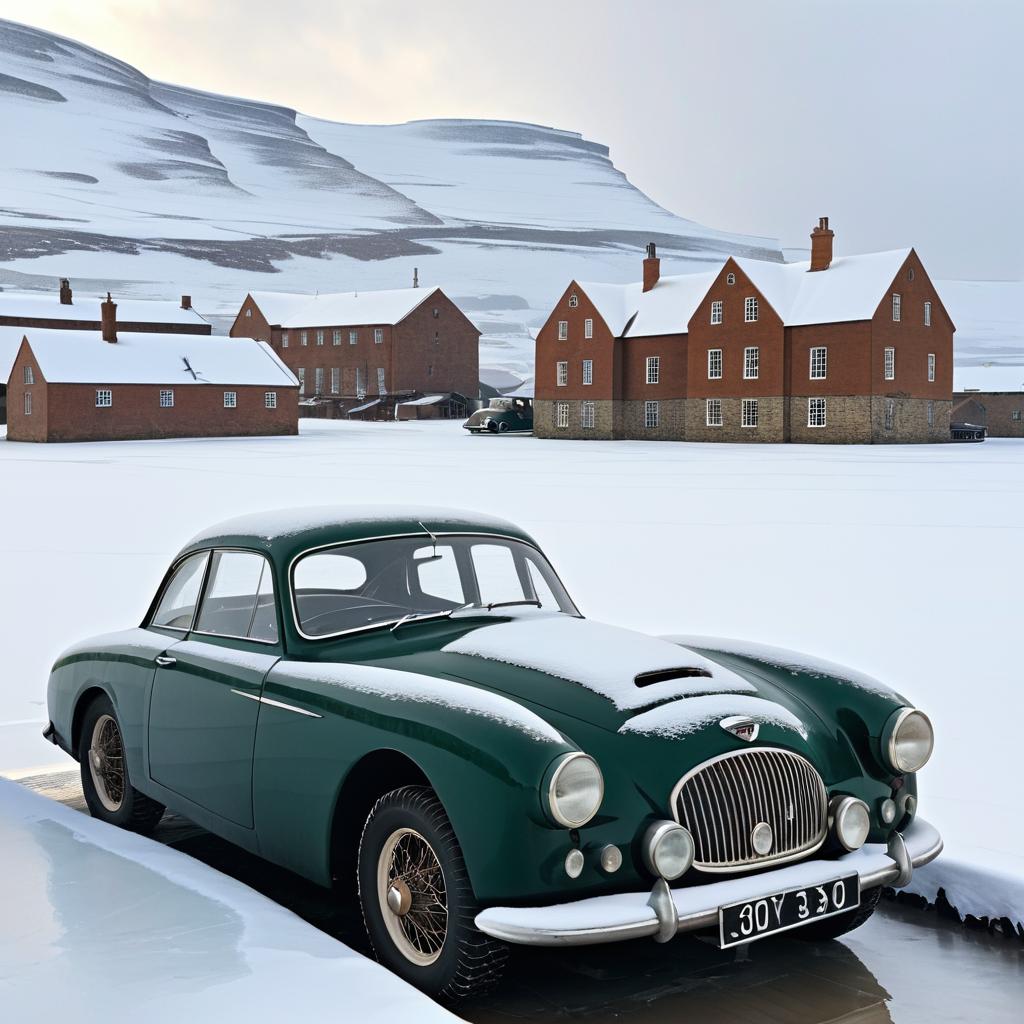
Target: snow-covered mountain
[{"x": 116, "y": 180}]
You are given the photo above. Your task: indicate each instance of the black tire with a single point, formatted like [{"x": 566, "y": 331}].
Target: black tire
[
  {"x": 502, "y": 427},
  {"x": 125, "y": 806},
  {"x": 833, "y": 927},
  {"x": 466, "y": 962}
]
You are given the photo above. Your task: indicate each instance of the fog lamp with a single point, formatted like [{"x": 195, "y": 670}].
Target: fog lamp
[
  {"x": 668, "y": 850},
  {"x": 851, "y": 821}
]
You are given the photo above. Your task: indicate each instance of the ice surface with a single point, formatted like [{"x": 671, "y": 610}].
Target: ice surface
[{"x": 101, "y": 925}]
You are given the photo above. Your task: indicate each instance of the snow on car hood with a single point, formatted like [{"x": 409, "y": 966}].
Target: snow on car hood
[{"x": 605, "y": 659}]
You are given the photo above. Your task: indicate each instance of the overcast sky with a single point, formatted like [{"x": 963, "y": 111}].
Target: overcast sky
[{"x": 899, "y": 119}]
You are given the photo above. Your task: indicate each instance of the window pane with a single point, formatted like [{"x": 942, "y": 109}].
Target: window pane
[
  {"x": 496, "y": 574},
  {"x": 541, "y": 590},
  {"x": 264, "y": 622},
  {"x": 178, "y": 605},
  {"x": 438, "y": 573},
  {"x": 231, "y": 594}
]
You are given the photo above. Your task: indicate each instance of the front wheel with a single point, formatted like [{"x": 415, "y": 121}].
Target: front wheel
[
  {"x": 109, "y": 793},
  {"x": 417, "y": 903},
  {"x": 833, "y": 927}
]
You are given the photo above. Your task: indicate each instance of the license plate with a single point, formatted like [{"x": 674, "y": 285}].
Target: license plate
[{"x": 754, "y": 919}]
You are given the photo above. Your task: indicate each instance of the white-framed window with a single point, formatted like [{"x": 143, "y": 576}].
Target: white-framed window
[
  {"x": 335, "y": 380},
  {"x": 318, "y": 381},
  {"x": 588, "y": 371},
  {"x": 301, "y": 374},
  {"x": 319, "y": 337},
  {"x": 819, "y": 363},
  {"x": 653, "y": 369},
  {"x": 381, "y": 388},
  {"x": 890, "y": 364},
  {"x": 563, "y": 330},
  {"x": 751, "y": 362},
  {"x": 652, "y": 414},
  {"x": 167, "y": 399},
  {"x": 28, "y": 403},
  {"x": 230, "y": 399},
  {"x": 815, "y": 412},
  {"x": 574, "y": 301},
  {"x": 378, "y": 335},
  {"x": 270, "y": 399},
  {"x": 931, "y": 414},
  {"x": 750, "y": 309},
  {"x": 561, "y": 414},
  {"x": 717, "y": 306},
  {"x": 713, "y": 412},
  {"x": 730, "y": 278},
  {"x": 587, "y": 415},
  {"x": 927, "y": 314},
  {"x": 104, "y": 398},
  {"x": 890, "y": 413},
  {"x": 588, "y": 328},
  {"x": 284, "y": 339},
  {"x": 931, "y": 367},
  {"x": 748, "y": 412},
  {"x": 714, "y": 364},
  {"x": 27, "y": 376},
  {"x": 248, "y": 312},
  {"x": 561, "y": 373},
  {"x": 303, "y": 337},
  {"x": 1015, "y": 415},
  {"x": 896, "y": 307},
  {"x": 336, "y": 337},
  {"x": 353, "y": 337}
]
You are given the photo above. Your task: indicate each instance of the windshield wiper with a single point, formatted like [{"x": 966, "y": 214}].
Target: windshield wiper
[
  {"x": 420, "y": 617},
  {"x": 509, "y": 604}
]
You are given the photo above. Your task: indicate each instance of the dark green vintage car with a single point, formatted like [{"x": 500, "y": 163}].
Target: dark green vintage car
[
  {"x": 408, "y": 702},
  {"x": 503, "y": 415}
]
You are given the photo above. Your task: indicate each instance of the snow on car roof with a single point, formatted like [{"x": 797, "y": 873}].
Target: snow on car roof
[
  {"x": 83, "y": 357},
  {"x": 682, "y": 717},
  {"x": 988, "y": 378},
  {"x": 47, "y": 305},
  {"x": 341, "y": 308}
]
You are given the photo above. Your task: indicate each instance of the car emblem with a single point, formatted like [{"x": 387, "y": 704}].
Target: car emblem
[{"x": 741, "y": 727}]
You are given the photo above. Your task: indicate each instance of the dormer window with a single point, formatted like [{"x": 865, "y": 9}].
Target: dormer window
[{"x": 574, "y": 301}]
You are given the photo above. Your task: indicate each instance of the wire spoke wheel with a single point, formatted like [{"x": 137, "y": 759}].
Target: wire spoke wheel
[
  {"x": 413, "y": 897},
  {"x": 106, "y": 762}
]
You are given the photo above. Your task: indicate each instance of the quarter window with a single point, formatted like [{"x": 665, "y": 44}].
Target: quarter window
[
  {"x": 588, "y": 328},
  {"x": 750, "y": 309},
  {"x": 166, "y": 399},
  {"x": 819, "y": 363},
  {"x": 931, "y": 367},
  {"x": 561, "y": 414},
  {"x": 588, "y": 371},
  {"x": 239, "y": 598},
  {"x": 890, "y": 364},
  {"x": 561, "y": 373},
  {"x": 653, "y": 369},
  {"x": 927, "y": 314},
  {"x": 587, "y": 415},
  {"x": 749, "y": 412},
  {"x": 104, "y": 398},
  {"x": 714, "y": 364},
  {"x": 563, "y": 330},
  {"x": 230, "y": 399},
  {"x": 751, "y": 363},
  {"x": 716, "y": 311},
  {"x": 896, "y": 307},
  {"x": 815, "y": 412},
  {"x": 27, "y": 376},
  {"x": 378, "y": 335},
  {"x": 713, "y": 412},
  {"x": 652, "y": 414},
  {"x": 177, "y": 607},
  {"x": 270, "y": 399}
]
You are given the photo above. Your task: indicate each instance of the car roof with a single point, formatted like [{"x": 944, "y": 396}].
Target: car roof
[{"x": 284, "y": 533}]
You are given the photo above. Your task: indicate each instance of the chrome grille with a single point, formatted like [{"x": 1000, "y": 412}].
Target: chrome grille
[{"x": 722, "y": 800}]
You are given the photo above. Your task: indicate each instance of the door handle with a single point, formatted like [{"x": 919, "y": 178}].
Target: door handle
[{"x": 166, "y": 662}]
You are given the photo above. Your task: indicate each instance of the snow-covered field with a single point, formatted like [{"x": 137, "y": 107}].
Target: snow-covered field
[{"x": 900, "y": 561}]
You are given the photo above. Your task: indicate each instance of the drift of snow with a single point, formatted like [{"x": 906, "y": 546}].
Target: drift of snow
[
  {"x": 102, "y": 925},
  {"x": 684, "y": 717},
  {"x": 605, "y": 659}
]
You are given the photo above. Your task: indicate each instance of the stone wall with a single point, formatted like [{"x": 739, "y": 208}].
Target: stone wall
[
  {"x": 771, "y": 421},
  {"x": 671, "y": 420},
  {"x": 910, "y": 421},
  {"x": 847, "y": 421},
  {"x": 607, "y": 421}
]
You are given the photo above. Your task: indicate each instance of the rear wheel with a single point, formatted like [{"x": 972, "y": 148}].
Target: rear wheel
[
  {"x": 833, "y": 927},
  {"x": 108, "y": 790},
  {"x": 417, "y": 903}
]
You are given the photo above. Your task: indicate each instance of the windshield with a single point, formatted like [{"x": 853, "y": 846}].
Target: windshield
[{"x": 354, "y": 586}]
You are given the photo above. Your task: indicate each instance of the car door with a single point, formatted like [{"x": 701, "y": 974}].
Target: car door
[{"x": 205, "y": 700}]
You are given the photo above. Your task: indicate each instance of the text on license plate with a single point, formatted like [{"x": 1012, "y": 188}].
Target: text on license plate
[{"x": 754, "y": 919}]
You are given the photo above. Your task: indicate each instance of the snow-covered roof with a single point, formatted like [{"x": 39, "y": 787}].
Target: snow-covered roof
[
  {"x": 425, "y": 400},
  {"x": 850, "y": 289},
  {"x": 364, "y": 406},
  {"x": 988, "y": 378},
  {"x": 83, "y": 357},
  {"x": 668, "y": 306},
  {"x": 340, "y": 308},
  {"x": 47, "y": 305}
]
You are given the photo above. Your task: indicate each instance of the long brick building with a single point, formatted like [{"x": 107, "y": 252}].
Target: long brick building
[
  {"x": 854, "y": 349},
  {"x": 992, "y": 397},
  {"x": 364, "y": 352},
  {"x": 82, "y": 386}
]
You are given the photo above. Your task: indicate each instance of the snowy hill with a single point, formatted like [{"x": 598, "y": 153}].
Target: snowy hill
[{"x": 157, "y": 189}]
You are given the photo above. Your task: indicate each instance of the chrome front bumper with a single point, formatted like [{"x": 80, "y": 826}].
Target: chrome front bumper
[{"x": 663, "y": 912}]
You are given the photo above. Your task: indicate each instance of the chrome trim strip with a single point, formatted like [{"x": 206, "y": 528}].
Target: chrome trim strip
[
  {"x": 277, "y": 704},
  {"x": 247, "y": 696}
]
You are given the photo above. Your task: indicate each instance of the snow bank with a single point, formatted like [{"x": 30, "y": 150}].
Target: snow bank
[{"x": 103, "y": 925}]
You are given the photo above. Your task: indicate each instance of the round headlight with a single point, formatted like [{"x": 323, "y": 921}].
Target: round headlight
[
  {"x": 575, "y": 791},
  {"x": 907, "y": 740},
  {"x": 852, "y": 822},
  {"x": 668, "y": 850}
]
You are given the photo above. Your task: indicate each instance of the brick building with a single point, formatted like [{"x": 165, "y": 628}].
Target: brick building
[
  {"x": 363, "y": 353},
  {"x": 75, "y": 386},
  {"x": 991, "y": 397},
  {"x": 856, "y": 349}
]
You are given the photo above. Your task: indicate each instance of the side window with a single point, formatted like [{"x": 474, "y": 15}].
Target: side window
[
  {"x": 496, "y": 574},
  {"x": 178, "y": 605},
  {"x": 235, "y": 590},
  {"x": 437, "y": 574},
  {"x": 541, "y": 590}
]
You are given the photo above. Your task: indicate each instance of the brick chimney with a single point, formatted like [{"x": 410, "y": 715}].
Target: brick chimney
[
  {"x": 186, "y": 302},
  {"x": 821, "y": 245},
  {"x": 108, "y": 319},
  {"x": 65, "y": 292},
  {"x": 652, "y": 268},
  {"x": 415, "y": 277}
]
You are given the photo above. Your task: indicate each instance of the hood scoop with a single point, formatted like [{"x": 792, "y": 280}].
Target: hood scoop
[{"x": 666, "y": 675}]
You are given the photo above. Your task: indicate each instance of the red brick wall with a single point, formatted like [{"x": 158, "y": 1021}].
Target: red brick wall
[
  {"x": 19, "y": 426},
  {"x": 848, "y": 360},
  {"x": 128, "y": 326},
  {"x": 671, "y": 350},
  {"x": 436, "y": 354},
  {"x": 366, "y": 355},
  {"x": 252, "y": 326}
]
